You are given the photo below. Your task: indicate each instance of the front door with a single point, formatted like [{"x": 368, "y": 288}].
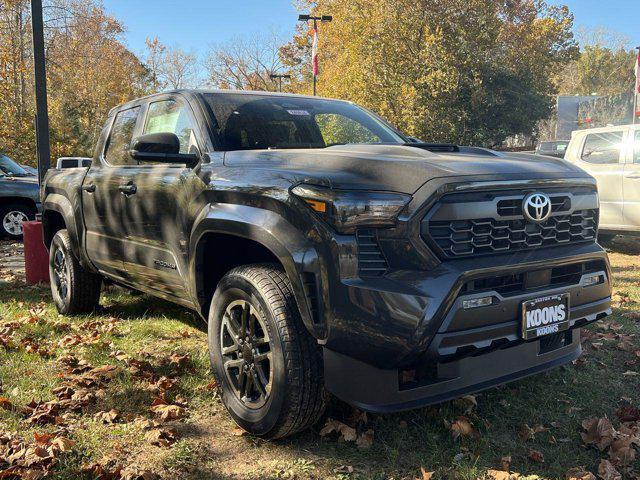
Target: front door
[
  {"x": 631, "y": 185},
  {"x": 601, "y": 156},
  {"x": 157, "y": 213},
  {"x": 102, "y": 199}
]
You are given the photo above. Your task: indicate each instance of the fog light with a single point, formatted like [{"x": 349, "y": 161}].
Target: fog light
[
  {"x": 477, "y": 302},
  {"x": 592, "y": 280}
]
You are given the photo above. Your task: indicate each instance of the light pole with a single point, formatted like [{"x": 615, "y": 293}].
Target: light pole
[
  {"x": 314, "y": 55},
  {"x": 42, "y": 116},
  {"x": 279, "y": 77}
]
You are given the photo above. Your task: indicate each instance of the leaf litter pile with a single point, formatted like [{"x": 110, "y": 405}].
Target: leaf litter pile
[{"x": 82, "y": 389}]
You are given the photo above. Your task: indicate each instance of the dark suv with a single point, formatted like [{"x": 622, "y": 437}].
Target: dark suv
[
  {"x": 19, "y": 198},
  {"x": 325, "y": 250}
]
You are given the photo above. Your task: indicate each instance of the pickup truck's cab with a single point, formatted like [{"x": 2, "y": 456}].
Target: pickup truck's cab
[
  {"x": 612, "y": 156},
  {"x": 326, "y": 250}
]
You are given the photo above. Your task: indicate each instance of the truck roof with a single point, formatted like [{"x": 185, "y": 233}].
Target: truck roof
[{"x": 200, "y": 91}]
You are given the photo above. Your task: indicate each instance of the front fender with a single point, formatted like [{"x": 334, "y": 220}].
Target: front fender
[{"x": 294, "y": 251}]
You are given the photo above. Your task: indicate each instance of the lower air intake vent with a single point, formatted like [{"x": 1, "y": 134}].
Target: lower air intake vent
[{"x": 371, "y": 261}]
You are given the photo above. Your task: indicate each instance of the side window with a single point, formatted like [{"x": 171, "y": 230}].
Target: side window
[
  {"x": 602, "y": 148},
  {"x": 171, "y": 117},
  {"x": 340, "y": 129},
  {"x": 636, "y": 147},
  {"x": 119, "y": 142}
]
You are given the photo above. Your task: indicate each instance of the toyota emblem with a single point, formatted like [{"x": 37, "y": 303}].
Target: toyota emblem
[{"x": 537, "y": 207}]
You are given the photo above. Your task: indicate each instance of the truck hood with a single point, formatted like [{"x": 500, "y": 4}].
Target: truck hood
[{"x": 399, "y": 168}]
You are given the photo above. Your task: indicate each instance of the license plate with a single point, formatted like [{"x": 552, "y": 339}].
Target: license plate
[{"x": 545, "y": 316}]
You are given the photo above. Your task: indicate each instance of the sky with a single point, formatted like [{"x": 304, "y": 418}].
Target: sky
[{"x": 195, "y": 24}]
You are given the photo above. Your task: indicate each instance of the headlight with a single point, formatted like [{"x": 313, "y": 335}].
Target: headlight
[{"x": 346, "y": 210}]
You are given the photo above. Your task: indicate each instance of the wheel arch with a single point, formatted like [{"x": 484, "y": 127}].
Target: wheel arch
[
  {"x": 255, "y": 236},
  {"x": 26, "y": 201},
  {"x": 58, "y": 213}
]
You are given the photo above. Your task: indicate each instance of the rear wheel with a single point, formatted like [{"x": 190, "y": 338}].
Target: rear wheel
[
  {"x": 12, "y": 217},
  {"x": 74, "y": 289},
  {"x": 268, "y": 366}
]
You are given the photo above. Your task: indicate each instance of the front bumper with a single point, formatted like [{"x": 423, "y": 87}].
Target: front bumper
[
  {"x": 404, "y": 340},
  {"x": 381, "y": 391}
]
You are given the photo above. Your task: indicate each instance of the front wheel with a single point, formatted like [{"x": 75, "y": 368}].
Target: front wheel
[
  {"x": 74, "y": 289},
  {"x": 268, "y": 366}
]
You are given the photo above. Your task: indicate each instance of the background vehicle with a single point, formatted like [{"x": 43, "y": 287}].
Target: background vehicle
[
  {"x": 612, "y": 156},
  {"x": 19, "y": 197},
  {"x": 326, "y": 251},
  {"x": 555, "y": 148}
]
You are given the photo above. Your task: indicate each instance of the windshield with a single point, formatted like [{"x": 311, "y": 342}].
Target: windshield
[
  {"x": 256, "y": 122},
  {"x": 10, "y": 168}
]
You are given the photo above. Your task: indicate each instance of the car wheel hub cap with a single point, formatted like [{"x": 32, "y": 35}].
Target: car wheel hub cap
[
  {"x": 61, "y": 273},
  {"x": 246, "y": 353},
  {"x": 12, "y": 222}
]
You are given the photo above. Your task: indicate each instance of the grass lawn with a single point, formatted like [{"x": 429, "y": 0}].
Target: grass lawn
[{"x": 153, "y": 411}]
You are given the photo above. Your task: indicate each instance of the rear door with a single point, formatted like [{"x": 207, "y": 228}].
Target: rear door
[
  {"x": 601, "y": 156},
  {"x": 631, "y": 183},
  {"x": 158, "y": 215},
  {"x": 102, "y": 199}
]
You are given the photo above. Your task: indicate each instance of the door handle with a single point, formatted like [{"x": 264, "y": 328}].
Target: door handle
[
  {"x": 634, "y": 176},
  {"x": 90, "y": 188},
  {"x": 128, "y": 189}
]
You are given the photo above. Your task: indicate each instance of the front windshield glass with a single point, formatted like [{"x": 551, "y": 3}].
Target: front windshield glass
[
  {"x": 10, "y": 168},
  {"x": 256, "y": 122}
]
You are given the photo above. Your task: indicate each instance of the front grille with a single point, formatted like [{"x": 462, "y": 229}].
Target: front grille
[
  {"x": 517, "y": 283},
  {"x": 500, "y": 226},
  {"x": 371, "y": 260}
]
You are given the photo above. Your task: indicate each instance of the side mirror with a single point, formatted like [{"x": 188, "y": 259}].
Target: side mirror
[{"x": 161, "y": 147}]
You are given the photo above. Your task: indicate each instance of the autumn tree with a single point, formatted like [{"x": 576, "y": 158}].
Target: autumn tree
[
  {"x": 605, "y": 66},
  {"x": 467, "y": 71},
  {"x": 245, "y": 63},
  {"x": 170, "y": 67},
  {"x": 89, "y": 71}
]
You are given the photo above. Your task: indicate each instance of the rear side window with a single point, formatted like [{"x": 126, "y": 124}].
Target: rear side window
[
  {"x": 119, "y": 142},
  {"x": 602, "y": 148}
]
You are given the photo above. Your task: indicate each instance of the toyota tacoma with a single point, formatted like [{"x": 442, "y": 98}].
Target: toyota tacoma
[{"x": 328, "y": 252}]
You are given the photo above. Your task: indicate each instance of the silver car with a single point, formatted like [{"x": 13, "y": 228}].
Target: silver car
[{"x": 612, "y": 156}]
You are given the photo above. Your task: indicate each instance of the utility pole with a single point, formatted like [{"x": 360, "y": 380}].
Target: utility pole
[
  {"x": 42, "y": 116},
  {"x": 279, "y": 76},
  {"x": 314, "y": 55},
  {"x": 636, "y": 89}
]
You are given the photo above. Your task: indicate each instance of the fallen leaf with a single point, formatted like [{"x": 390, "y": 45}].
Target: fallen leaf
[
  {"x": 536, "y": 456},
  {"x": 579, "y": 473},
  {"x": 107, "y": 417},
  {"x": 63, "y": 444},
  {"x": 365, "y": 440},
  {"x": 347, "y": 433},
  {"x": 168, "y": 412},
  {"x": 622, "y": 452},
  {"x": 161, "y": 437},
  {"x": 425, "y": 474},
  {"x": 462, "y": 427},
  {"x": 599, "y": 432},
  {"x": 607, "y": 471}
]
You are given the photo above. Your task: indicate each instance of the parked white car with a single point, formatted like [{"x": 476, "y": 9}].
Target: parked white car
[{"x": 612, "y": 156}]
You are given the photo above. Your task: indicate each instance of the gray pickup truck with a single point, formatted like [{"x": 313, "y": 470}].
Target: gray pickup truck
[
  {"x": 327, "y": 252},
  {"x": 19, "y": 198}
]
